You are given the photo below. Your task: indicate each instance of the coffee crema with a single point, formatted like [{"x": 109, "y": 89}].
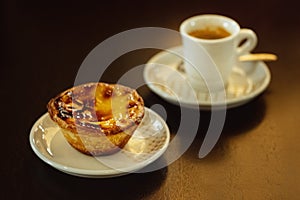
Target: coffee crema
[{"x": 210, "y": 33}]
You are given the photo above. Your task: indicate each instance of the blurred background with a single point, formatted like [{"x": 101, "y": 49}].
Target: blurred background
[{"x": 43, "y": 43}]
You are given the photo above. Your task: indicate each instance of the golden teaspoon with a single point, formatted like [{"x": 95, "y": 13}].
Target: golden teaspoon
[
  {"x": 258, "y": 57},
  {"x": 243, "y": 58}
]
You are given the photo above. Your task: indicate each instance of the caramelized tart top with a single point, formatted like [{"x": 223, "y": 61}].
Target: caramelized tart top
[{"x": 97, "y": 108}]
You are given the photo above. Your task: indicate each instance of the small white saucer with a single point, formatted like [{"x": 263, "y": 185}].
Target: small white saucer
[
  {"x": 248, "y": 80},
  {"x": 147, "y": 144}
]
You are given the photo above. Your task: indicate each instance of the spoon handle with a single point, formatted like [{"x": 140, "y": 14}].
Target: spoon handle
[{"x": 258, "y": 56}]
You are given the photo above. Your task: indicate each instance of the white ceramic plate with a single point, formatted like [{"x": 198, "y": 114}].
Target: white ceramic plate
[
  {"x": 148, "y": 143},
  {"x": 248, "y": 80}
]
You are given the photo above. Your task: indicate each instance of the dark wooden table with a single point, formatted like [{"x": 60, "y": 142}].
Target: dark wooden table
[{"x": 43, "y": 45}]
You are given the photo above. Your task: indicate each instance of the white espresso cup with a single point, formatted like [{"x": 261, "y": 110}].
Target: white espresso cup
[{"x": 211, "y": 47}]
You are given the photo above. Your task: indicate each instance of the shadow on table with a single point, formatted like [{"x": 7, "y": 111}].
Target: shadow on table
[
  {"x": 57, "y": 185},
  {"x": 242, "y": 119},
  {"x": 238, "y": 121}
]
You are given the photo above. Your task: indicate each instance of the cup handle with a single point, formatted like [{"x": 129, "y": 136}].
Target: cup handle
[{"x": 250, "y": 41}]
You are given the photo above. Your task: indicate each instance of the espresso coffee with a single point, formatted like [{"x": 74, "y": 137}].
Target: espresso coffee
[{"x": 210, "y": 33}]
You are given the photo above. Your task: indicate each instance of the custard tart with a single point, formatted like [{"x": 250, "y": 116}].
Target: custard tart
[{"x": 97, "y": 118}]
